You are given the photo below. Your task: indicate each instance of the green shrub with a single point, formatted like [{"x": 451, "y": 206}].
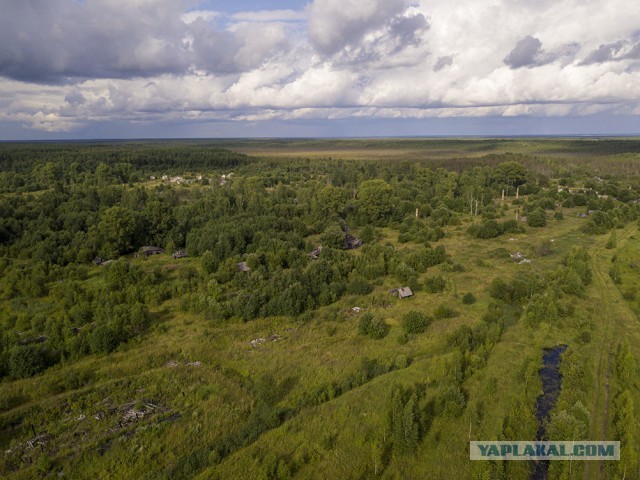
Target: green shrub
[
  {"x": 469, "y": 298},
  {"x": 26, "y": 361},
  {"x": 359, "y": 286},
  {"x": 373, "y": 327},
  {"x": 414, "y": 322},
  {"x": 435, "y": 284},
  {"x": 103, "y": 340},
  {"x": 442, "y": 311},
  {"x": 537, "y": 218}
]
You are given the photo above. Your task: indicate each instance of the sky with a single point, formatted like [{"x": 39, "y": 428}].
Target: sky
[{"x": 88, "y": 69}]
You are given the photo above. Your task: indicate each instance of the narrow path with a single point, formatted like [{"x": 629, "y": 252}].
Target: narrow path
[{"x": 612, "y": 314}]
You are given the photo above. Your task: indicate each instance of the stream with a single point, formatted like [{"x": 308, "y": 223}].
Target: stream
[{"x": 551, "y": 384}]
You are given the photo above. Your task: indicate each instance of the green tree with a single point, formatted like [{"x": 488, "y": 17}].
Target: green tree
[
  {"x": 329, "y": 202},
  {"x": 117, "y": 230},
  {"x": 375, "y": 201},
  {"x": 209, "y": 262},
  {"x": 333, "y": 237},
  {"x": 510, "y": 173}
]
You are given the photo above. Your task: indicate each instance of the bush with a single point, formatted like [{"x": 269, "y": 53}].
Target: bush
[
  {"x": 415, "y": 322},
  {"x": 27, "y": 361},
  {"x": 442, "y": 311},
  {"x": 537, "y": 218},
  {"x": 359, "y": 286},
  {"x": 103, "y": 340},
  {"x": 373, "y": 327},
  {"x": 435, "y": 284},
  {"x": 469, "y": 298}
]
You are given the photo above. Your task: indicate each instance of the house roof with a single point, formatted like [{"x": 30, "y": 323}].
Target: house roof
[
  {"x": 402, "y": 292},
  {"x": 405, "y": 292},
  {"x": 150, "y": 248}
]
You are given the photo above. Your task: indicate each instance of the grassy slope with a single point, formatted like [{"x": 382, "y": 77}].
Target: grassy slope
[{"x": 333, "y": 439}]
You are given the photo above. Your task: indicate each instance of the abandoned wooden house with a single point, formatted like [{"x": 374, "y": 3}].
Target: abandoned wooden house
[
  {"x": 402, "y": 292},
  {"x": 351, "y": 242},
  {"x": 149, "y": 250},
  {"x": 243, "y": 267},
  {"x": 179, "y": 254},
  {"x": 30, "y": 341}
]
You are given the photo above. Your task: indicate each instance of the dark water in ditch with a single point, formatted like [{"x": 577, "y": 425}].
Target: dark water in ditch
[{"x": 551, "y": 384}]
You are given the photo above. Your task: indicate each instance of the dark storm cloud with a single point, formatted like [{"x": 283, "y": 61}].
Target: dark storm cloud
[
  {"x": 614, "y": 51},
  {"x": 45, "y": 41},
  {"x": 529, "y": 53},
  {"x": 443, "y": 62},
  {"x": 526, "y": 53},
  {"x": 406, "y": 30},
  {"x": 75, "y": 98},
  {"x": 52, "y": 41},
  {"x": 605, "y": 52},
  {"x": 337, "y": 24},
  {"x": 634, "y": 53}
]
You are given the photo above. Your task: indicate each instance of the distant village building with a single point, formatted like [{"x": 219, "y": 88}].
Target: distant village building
[
  {"x": 402, "y": 292},
  {"x": 351, "y": 242},
  {"x": 29, "y": 341},
  {"x": 150, "y": 250}
]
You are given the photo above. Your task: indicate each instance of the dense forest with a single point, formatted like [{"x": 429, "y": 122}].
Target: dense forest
[{"x": 300, "y": 310}]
